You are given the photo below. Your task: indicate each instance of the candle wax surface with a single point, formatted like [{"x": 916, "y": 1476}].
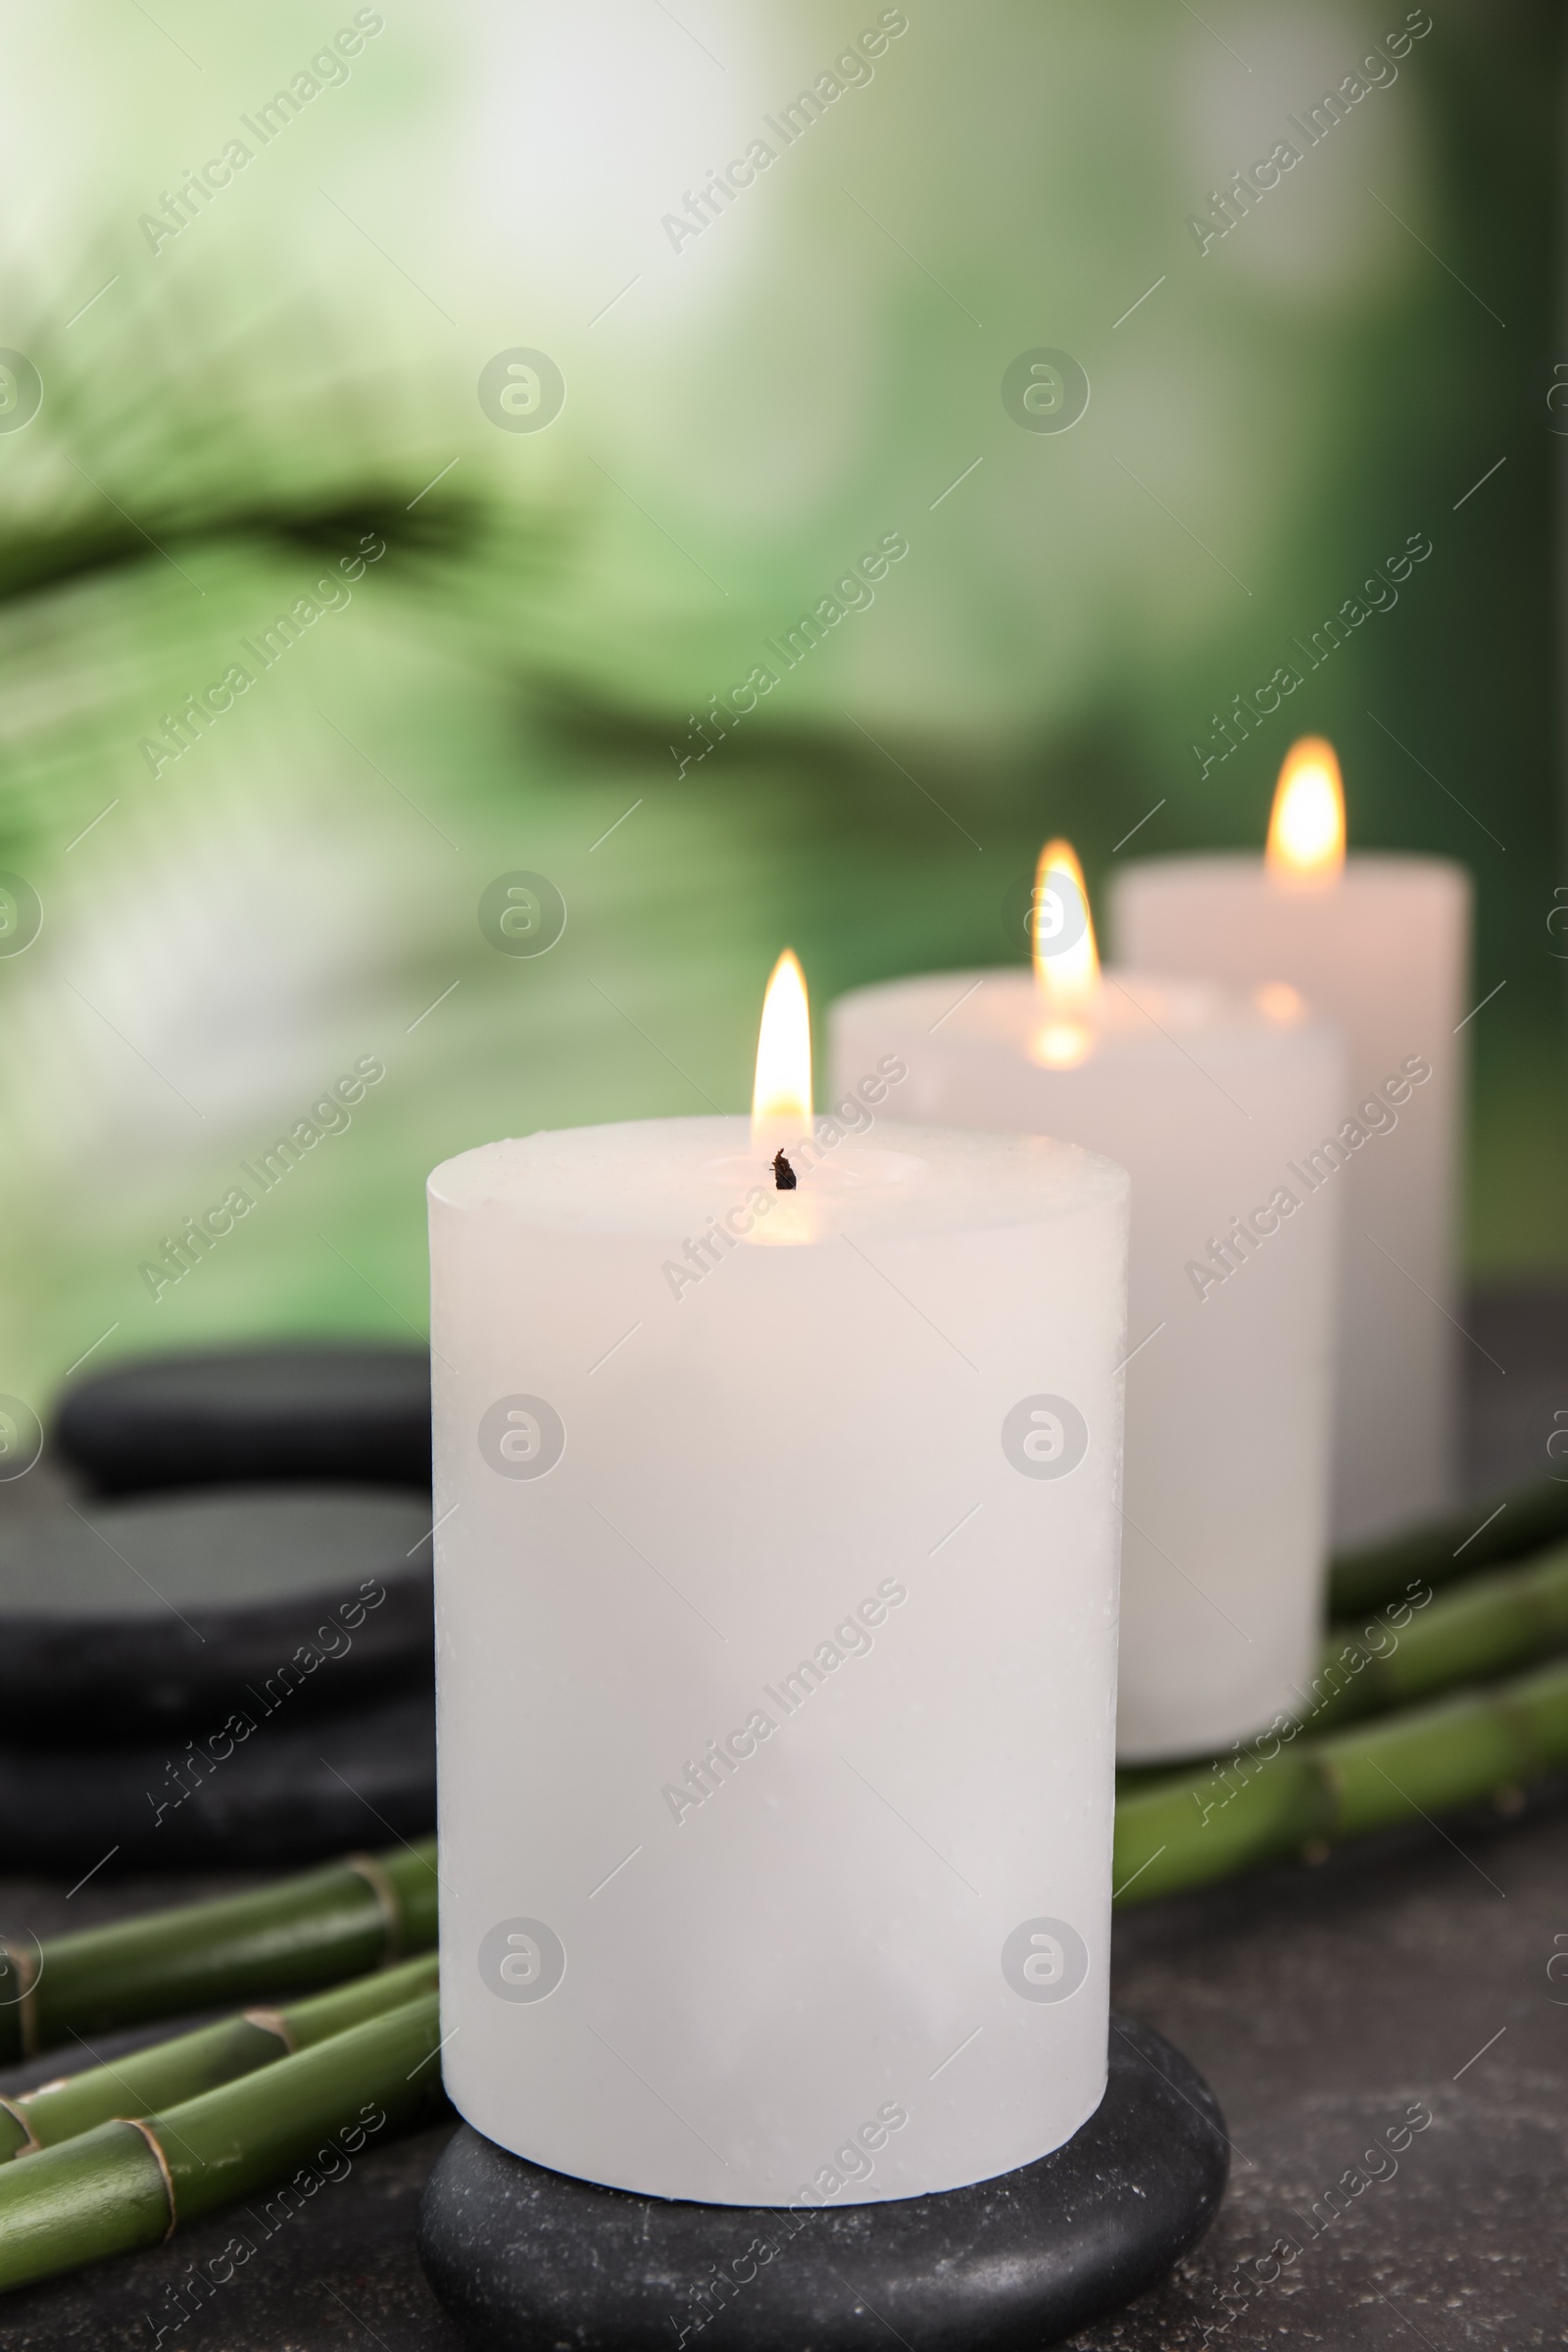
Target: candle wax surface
[
  {"x": 776, "y": 1619},
  {"x": 1382, "y": 951},
  {"x": 1204, "y": 1093}
]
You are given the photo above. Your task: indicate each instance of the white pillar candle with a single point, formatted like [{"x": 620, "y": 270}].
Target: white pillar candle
[
  {"x": 1382, "y": 946},
  {"x": 776, "y": 1596},
  {"x": 1202, "y": 1094}
]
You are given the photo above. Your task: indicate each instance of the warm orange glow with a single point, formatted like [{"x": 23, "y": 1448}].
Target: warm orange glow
[
  {"x": 1062, "y": 1045},
  {"x": 1281, "y": 1004},
  {"x": 781, "y": 1098},
  {"x": 1066, "y": 958},
  {"x": 1306, "y": 831}
]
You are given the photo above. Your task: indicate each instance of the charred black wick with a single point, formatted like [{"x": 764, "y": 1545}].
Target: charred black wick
[{"x": 784, "y": 1175}]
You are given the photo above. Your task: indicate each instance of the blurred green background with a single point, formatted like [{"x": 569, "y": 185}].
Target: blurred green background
[{"x": 230, "y": 409}]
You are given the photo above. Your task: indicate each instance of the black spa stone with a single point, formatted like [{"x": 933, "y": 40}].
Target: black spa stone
[
  {"x": 302, "y": 1411},
  {"x": 527, "y": 2260},
  {"x": 292, "y": 1789},
  {"x": 129, "y": 1617}
]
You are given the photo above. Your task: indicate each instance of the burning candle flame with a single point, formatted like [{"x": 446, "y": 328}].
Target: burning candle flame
[
  {"x": 781, "y": 1098},
  {"x": 1306, "y": 830},
  {"x": 1065, "y": 958}
]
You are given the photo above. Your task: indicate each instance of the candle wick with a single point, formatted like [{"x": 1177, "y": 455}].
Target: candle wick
[{"x": 784, "y": 1175}]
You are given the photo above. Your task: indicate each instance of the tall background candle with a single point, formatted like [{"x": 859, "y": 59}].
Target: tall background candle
[
  {"x": 1382, "y": 945},
  {"x": 1200, "y": 1093},
  {"x": 776, "y": 1598}
]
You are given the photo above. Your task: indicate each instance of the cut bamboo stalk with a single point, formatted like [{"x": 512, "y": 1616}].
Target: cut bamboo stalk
[
  {"x": 1480, "y": 1536},
  {"x": 288, "y": 1938},
  {"x": 1489, "y": 1625},
  {"x": 1492, "y": 1624},
  {"x": 128, "y": 2184},
  {"x": 170, "y": 2072},
  {"x": 125, "y": 2184},
  {"x": 1191, "y": 1831}
]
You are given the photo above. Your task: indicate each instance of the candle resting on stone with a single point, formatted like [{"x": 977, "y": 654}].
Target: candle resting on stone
[{"x": 777, "y": 1600}]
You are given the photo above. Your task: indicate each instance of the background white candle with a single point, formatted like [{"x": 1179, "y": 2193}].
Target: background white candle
[
  {"x": 776, "y": 1596},
  {"x": 1382, "y": 949},
  {"x": 1202, "y": 1094}
]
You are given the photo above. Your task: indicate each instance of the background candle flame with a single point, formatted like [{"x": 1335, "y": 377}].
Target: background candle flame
[
  {"x": 1281, "y": 1004},
  {"x": 1066, "y": 958},
  {"x": 781, "y": 1098},
  {"x": 1306, "y": 830}
]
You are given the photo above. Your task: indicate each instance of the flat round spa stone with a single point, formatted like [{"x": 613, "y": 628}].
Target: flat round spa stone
[
  {"x": 299, "y": 1411},
  {"x": 527, "y": 2260},
  {"x": 122, "y": 1616},
  {"x": 290, "y": 1789}
]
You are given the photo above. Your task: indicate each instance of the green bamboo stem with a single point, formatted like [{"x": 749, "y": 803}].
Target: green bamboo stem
[
  {"x": 1456, "y": 1545},
  {"x": 1488, "y": 1625},
  {"x": 170, "y": 2072},
  {"x": 125, "y": 2186},
  {"x": 1191, "y": 1831},
  {"x": 289, "y": 1937}
]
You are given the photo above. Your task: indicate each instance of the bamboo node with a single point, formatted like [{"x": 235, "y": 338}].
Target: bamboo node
[
  {"x": 272, "y": 2021},
  {"x": 18, "y": 2115},
  {"x": 139, "y": 2123},
  {"x": 378, "y": 1881}
]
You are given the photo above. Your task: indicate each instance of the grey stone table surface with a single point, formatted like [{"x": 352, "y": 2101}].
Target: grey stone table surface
[
  {"x": 1331, "y": 2009},
  {"x": 1322, "y": 2005}
]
